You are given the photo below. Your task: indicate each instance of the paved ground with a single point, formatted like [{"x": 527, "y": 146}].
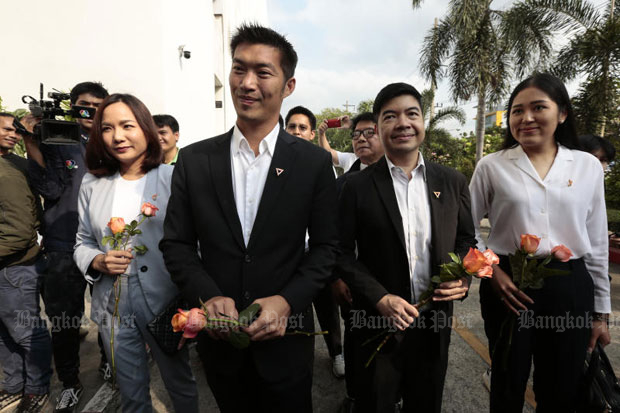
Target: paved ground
[{"x": 464, "y": 390}]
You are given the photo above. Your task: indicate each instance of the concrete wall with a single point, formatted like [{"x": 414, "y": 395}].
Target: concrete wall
[{"x": 130, "y": 46}]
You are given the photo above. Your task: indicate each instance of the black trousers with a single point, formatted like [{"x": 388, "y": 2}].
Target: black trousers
[
  {"x": 553, "y": 333},
  {"x": 351, "y": 363},
  {"x": 329, "y": 319},
  {"x": 239, "y": 387},
  {"x": 411, "y": 365},
  {"x": 63, "y": 295}
]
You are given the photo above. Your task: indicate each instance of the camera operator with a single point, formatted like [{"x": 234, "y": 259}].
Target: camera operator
[{"x": 56, "y": 172}]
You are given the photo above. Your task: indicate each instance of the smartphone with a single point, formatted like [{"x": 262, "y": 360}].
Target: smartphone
[{"x": 333, "y": 123}]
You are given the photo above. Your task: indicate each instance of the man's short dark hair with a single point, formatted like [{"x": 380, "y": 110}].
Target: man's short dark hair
[
  {"x": 300, "y": 110},
  {"x": 392, "y": 91},
  {"x": 166, "y": 120},
  {"x": 362, "y": 117},
  {"x": 7, "y": 115},
  {"x": 94, "y": 88},
  {"x": 592, "y": 143},
  {"x": 256, "y": 34}
]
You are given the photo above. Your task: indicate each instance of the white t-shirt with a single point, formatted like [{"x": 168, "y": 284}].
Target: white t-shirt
[
  {"x": 127, "y": 202},
  {"x": 346, "y": 160}
]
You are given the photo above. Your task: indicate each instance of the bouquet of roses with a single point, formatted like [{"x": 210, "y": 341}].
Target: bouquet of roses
[
  {"x": 528, "y": 272},
  {"x": 476, "y": 263},
  {"x": 121, "y": 235}
]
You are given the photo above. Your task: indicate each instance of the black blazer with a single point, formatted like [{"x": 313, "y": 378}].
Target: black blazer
[
  {"x": 370, "y": 222},
  {"x": 202, "y": 211}
]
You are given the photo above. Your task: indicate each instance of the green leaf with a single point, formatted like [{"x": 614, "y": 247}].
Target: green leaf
[
  {"x": 133, "y": 224},
  {"x": 247, "y": 316},
  {"x": 455, "y": 258},
  {"x": 436, "y": 279},
  {"x": 239, "y": 339},
  {"x": 137, "y": 231},
  {"x": 140, "y": 249},
  {"x": 427, "y": 294}
]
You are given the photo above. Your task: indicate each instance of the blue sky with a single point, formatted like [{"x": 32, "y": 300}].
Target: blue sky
[{"x": 349, "y": 49}]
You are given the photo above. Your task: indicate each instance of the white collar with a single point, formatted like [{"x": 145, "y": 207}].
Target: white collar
[
  {"x": 518, "y": 152},
  {"x": 268, "y": 143},
  {"x": 420, "y": 165}
]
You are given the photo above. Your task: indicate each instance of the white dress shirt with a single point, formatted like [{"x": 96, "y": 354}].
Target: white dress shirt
[
  {"x": 415, "y": 212},
  {"x": 567, "y": 207},
  {"x": 127, "y": 203},
  {"x": 345, "y": 160},
  {"x": 249, "y": 173}
]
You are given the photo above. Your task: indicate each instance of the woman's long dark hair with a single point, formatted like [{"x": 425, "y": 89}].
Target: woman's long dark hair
[
  {"x": 99, "y": 161},
  {"x": 566, "y": 132}
]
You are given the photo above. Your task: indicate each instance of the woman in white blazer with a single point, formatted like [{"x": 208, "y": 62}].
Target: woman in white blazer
[{"x": 124, "y": 161}]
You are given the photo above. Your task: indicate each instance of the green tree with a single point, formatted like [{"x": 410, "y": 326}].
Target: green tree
[
  {"x": 593, "y": 50},
  {"x": 339, "y": 139},
  {"x": 365, "y": 106},
  {"x": 479, "y": 49}
]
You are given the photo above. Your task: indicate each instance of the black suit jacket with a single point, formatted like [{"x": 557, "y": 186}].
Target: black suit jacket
[
  {"x": 370, "y": 222},
  {"x": 202, "y": 211}
]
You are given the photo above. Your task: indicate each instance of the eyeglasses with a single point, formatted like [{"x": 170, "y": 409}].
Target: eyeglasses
[{"x": 368, "y": 133}]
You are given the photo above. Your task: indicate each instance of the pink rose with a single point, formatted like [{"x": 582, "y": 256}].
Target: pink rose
[
  {"x": 561, "y": 253},
  {"x": 529, "y": 243},
  {"x": 116, "y": 225},
  {"x": 491, "y": 257},
  {"x": 485, "y": 272},
  {"x": 148, "y": 209}
]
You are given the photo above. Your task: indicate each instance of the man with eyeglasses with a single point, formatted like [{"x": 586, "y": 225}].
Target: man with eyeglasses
[{"x": 368, "y": 149}]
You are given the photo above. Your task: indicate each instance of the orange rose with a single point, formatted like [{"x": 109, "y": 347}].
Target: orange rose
[
  {"x": 529, "y": 243},
  {"x": 179, "y": 320},
  {"x": 474, "y": 260},
  {"x": 116, "y": 225},
  {"x": 561, "y": 253},
  {"x": 485, "y": 272},
  {"x": 148, "y": 209},
  {"x": 491, "y": 257}
]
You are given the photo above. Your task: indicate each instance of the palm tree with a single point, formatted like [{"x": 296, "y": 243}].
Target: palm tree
[
  {"x": 433, "y": 120},
  {"x": 479, "y": 49},
  {"x": 593, "y": 50}
]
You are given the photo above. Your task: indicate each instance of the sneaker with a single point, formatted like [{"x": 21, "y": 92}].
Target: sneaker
[
  {"x": 486, "y": 378},
  {"x": 338, "y": 366},
  {"x": 7, "y": 399},
  {"x": 32, "y": 403},
  {"x": 69, "y": 399},
  {"x": 106, "y": 371}
]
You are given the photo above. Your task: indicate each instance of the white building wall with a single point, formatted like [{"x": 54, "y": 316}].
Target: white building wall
[{"x": 131, "y": 47}]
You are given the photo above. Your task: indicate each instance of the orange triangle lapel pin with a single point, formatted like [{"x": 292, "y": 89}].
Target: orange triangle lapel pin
[
  {"x": 279, "y": 171},
  {"x": 437, "y": 193}
]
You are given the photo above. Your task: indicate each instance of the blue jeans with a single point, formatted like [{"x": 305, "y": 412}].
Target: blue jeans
[
  {"x": 130, "y": 358},
  {"x": 25, "y": 344}
]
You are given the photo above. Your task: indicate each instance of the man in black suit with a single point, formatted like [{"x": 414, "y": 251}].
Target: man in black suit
[
  {"x": 402, "y": 215},
  {"x": 247, "y": 198}
]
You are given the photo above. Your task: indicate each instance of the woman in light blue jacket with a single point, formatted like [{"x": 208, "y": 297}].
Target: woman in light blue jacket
[{"x": 125, "y": 171}]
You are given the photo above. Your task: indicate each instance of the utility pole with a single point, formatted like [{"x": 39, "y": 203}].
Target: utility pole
[{"x": 346, "y": 105}]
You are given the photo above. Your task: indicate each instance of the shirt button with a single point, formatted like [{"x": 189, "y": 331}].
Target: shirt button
[
  {"x": 416, "y": 257},
  {"x": 542, "y": 211},
  {"x": 144, "y": 268},
  {"x": 251, "y": 201},
  {"x": 247, "y": 258},
  {"x": 246, "y": 295}
]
